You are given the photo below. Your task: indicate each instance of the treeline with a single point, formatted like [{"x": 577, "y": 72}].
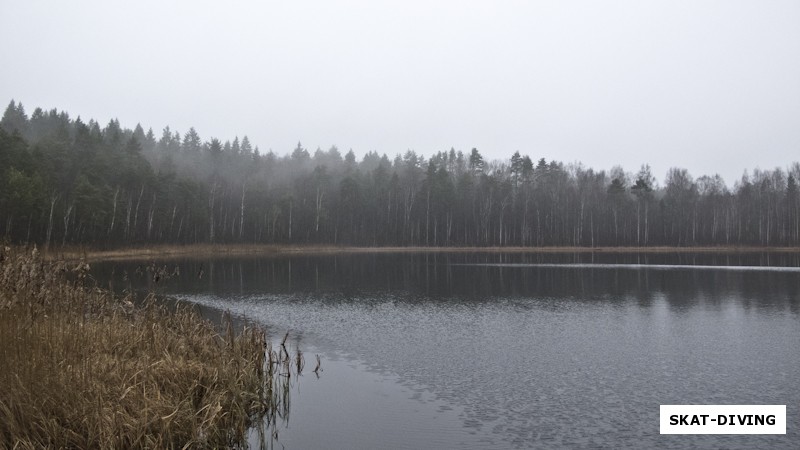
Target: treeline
[{"x": 66, "y": 181}]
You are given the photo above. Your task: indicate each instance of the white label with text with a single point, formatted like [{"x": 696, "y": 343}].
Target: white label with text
[{"x": 723, "y": 419}]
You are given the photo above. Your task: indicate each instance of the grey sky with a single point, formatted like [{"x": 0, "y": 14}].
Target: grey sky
[{"x": 712, "y": 86}]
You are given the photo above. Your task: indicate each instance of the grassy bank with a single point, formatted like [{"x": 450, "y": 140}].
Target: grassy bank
[
  {"x": 207, "y": 250},
  {"x": 80, "y": 368}
]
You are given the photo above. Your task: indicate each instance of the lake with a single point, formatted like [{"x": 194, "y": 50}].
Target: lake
[{"x": 492, "y": 350}]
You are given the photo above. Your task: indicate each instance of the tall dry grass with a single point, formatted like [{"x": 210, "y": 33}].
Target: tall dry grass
[{"x": 80, "y": 368}]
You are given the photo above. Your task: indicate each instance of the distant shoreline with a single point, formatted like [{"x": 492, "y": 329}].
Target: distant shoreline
[{"x": 206, "y": 250}]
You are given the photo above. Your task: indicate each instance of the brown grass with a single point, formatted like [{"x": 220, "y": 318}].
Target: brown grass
[
  {"x": 217, "y": 250},
  {"x": 80, "y": 368}
]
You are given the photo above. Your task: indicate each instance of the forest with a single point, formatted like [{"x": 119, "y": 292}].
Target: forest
[{"x": 64, "y": 181}]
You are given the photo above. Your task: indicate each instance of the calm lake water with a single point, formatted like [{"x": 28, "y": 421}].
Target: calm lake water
[{"x": 514, "y": 351}]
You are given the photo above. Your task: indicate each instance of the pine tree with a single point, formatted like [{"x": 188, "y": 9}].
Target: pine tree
[
  {"x": 192, "y": 143},
  {"x": 15, "y": 119},
  {"x": 476, "y": 163}
]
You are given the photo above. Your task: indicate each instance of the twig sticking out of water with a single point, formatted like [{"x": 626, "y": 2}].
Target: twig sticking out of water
[
  {"x": 318, "y": 369},
  {"x": 300, "y": 362},
  {"x": 283, "y": 346},
  {"x": 283, "y": 342}
]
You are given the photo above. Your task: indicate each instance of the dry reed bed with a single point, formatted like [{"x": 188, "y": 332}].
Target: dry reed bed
[{"x": 80, "y": 368}]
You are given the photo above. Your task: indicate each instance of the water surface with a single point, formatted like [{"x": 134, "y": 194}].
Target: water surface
[{"x": 515, "y": 351}]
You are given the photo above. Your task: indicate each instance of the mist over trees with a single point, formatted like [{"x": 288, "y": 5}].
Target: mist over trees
[{"x": 66, "y": 181}]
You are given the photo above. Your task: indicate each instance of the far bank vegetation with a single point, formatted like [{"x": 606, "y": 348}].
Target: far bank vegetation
[{"x": 66, "y": 181}]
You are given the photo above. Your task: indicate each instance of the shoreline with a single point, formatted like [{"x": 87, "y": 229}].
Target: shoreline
[
  {"x": 224, "y": 250},
  {"x": 86, "y": 368}
]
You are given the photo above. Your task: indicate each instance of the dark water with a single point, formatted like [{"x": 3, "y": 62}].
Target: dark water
[{"x": 515, "y": 351}]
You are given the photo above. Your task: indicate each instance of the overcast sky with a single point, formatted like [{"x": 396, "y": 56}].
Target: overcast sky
[{"x": 712, "y": 86}]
